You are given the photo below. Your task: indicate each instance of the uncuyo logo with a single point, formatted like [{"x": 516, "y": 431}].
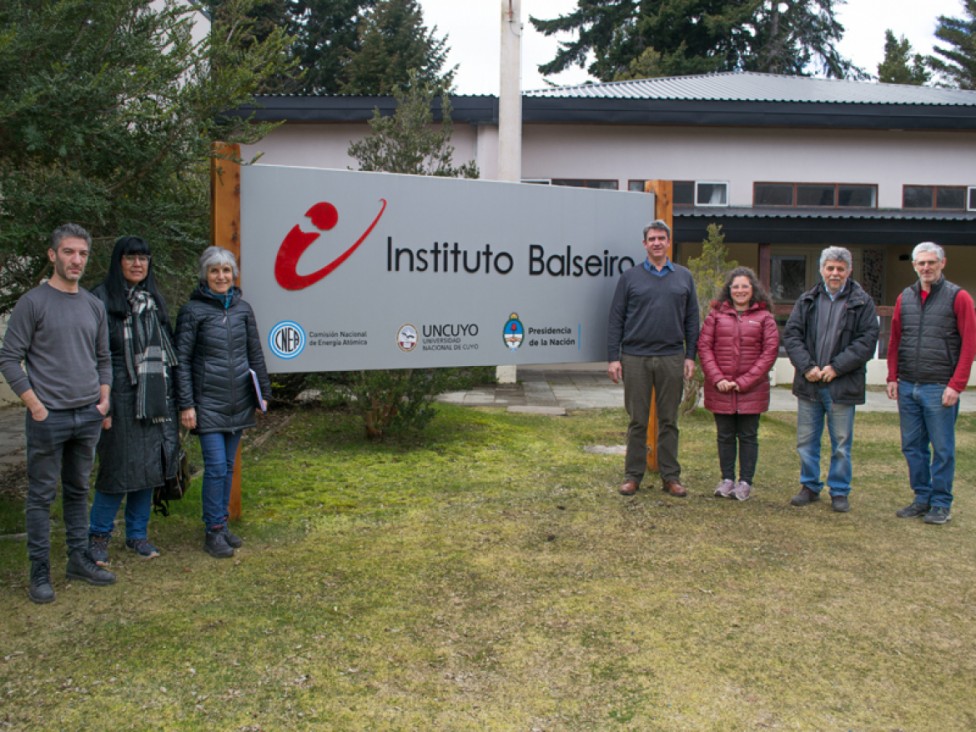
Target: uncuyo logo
[{"x": 324, "y": 216}]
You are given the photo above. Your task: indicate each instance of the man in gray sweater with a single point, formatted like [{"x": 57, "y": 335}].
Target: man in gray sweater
[
  {"x": 59, "y": 332},
  {"x": 652, "y": 339}
]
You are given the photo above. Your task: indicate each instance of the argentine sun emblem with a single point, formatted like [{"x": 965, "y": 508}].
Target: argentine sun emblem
[{"x": 514, "y": 332}]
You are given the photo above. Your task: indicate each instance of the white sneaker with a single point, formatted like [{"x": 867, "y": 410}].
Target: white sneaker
[
  {"x": 742, "y": 491},
  {"x": 724, "y": 489}
]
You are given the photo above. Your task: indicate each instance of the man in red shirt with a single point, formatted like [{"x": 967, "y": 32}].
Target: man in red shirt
[{"x": 930, "y": 355}]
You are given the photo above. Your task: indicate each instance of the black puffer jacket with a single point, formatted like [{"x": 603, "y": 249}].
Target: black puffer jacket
[
  {"x": 854, "y": 348},
  {"x": 216, "y": 348},
  {"x": 135, "y": 453}
]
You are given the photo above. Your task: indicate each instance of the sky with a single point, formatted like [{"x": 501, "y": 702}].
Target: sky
[{"x": 473, "y": 30}]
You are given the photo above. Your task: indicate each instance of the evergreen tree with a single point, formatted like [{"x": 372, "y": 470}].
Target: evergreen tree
[
  {"x": 107, "y": 114},
  {"x": 899, "y": 66},
  {"x": 641, "y": 38},
  {"x": 401, "y": 400},
  {"x": 326, "y": 37},
  {"x": 956, "y": 61},
  {"x": 709, "y": 270},
  {"x": 393, "y": 41}
]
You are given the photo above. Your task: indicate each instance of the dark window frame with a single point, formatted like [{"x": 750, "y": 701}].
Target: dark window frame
[
  {"x": 933, "y": 204},
  {"x": 836, "y": 189}
]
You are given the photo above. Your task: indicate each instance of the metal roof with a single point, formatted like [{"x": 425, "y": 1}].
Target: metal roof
[{"x": 755, "y": 87}]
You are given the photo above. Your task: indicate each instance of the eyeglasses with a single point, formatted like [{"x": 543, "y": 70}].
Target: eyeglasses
[{"x": 136, "y": 258}]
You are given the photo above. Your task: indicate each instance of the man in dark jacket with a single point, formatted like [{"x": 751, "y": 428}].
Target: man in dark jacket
[
  {"x": 830, "y": 336},
  {"x": 930, "y": 355},
  {"x": 652, "y": 339}
]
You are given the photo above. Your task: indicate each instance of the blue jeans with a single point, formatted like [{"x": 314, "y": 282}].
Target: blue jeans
[
  {"x": 924, "y": 422},
  {"x": 62, "y": 446},
  {"x": 105, "y": 506},
  {"x": 810, "y": 418},
  {"x": 219, "y": 450}
]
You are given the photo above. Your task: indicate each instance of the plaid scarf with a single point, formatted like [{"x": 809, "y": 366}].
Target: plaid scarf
[{"x": 148, "y": 356}]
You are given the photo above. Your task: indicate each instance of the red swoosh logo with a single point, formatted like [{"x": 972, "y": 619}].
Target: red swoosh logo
[{"x": 297, "y": 242}]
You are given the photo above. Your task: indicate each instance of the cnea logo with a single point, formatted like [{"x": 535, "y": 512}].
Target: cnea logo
[{"x": 324, "y": 216}]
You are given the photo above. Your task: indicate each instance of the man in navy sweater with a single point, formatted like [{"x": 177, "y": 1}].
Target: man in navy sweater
[{"x": 652, "y": 339}]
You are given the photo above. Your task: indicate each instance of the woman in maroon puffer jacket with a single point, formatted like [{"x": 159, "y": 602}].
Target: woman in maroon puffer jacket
[{"x": 737, "y": 348}]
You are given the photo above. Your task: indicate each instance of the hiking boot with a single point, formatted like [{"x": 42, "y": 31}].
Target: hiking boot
[
  {"x": 725, "y": 488},
  {"x": 81, "y": 567},
  {"x": 233, "y": 540},
  {"x": 840, "y": 504},
  {"x": 742, "y": 491},
  {"x": 216, "y": 544},
  {"x": 804, "y": 497},
  {"x": 913, "y": 511},
  {"x": 98, "y": 548},
  {"x": 142, "y": 547},
  {"x": 40, "y": 590},
  {"x": 938, "y": 515}
]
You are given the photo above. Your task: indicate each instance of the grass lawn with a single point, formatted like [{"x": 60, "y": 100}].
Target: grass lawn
[{"x": 491, "y": 578}]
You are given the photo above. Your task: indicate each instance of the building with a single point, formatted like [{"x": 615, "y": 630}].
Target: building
[{"x": 786, "y": 165}]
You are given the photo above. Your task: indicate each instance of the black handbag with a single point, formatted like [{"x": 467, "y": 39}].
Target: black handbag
[{"x": 176, "y": 487}]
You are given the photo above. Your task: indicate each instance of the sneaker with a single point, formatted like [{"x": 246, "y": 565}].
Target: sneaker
[
  {"x": 232, "y": 539},
  {"x": 913, "y": 511},
  {"x": 938, "y": 515},
  {"x": 804, "y": 497},
  {"x": 742, "y": 491},
  {"x": 142, "y": 547},
  {"x": 98, "y": 548},
  {"x": 40, "y": 590},
  {"x": 725, "y": 488},
  {"x": 215, "y": 544},
  {"x": 840, "y": 504},
  {"x": 81, "y": 567}
]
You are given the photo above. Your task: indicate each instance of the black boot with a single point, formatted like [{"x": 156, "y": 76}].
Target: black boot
[
  {"x": 81, "y": 567},
  {"x": 40, "y": 589},
  {"x": 215, "y": 544}
]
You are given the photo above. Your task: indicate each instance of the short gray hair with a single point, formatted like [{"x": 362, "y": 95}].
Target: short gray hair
[
  {"x": 657, "y": 224},
  {"x": 836, "y": 254},
  {"x": 69, "y": 231},
  {"x": 928, "y": 246},
  {"x": 216, "y": 257}
]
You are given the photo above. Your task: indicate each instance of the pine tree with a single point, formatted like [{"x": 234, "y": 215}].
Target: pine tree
[
  {"x": 392, "y": 42},
  {"x": 956, "y": 61},
  {"x": 899, "y": 66},
  {"x": 709, "y": 270},
  {"x": 670, "y": 37}
]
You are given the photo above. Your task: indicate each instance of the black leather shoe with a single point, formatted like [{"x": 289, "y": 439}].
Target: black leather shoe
[{"x": 40, "y": 589}]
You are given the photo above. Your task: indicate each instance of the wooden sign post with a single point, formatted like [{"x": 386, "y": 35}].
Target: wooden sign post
[
  {"x": 225, "y": 231},
  {"x": 663, "y": 191}
]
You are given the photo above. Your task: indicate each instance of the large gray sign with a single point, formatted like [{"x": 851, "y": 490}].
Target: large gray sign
[{"x": 372, "y": 271}]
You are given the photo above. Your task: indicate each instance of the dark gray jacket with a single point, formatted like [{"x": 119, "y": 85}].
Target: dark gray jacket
[
  {"x": 134, "y": 454},
  {"x": 216, "y": 348},
  {"x": 854, "y": 348}
]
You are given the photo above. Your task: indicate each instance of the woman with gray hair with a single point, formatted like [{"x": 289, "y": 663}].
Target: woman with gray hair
[{"x": 220, "y": 360}]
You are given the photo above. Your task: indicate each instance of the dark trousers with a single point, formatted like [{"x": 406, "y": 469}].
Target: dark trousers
[
  {"x": 665, "y": 375},
  {"x": 743, "y": 429},
  {"x": 61, "y": 447}
]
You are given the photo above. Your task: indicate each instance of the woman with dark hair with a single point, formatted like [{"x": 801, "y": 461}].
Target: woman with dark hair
[
  {"x": 138, "y": 448},
  {"x": 220, "y": 363},
  {"x": 737, "y": 348}
]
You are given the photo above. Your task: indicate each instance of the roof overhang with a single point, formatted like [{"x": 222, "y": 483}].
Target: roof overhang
[
  {"x": 819, "y": 227},
  {"x": 483, "y": 110}
]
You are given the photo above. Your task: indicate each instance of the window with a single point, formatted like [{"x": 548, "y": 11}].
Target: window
[
  {"x": 693, "y": 193},
  {"x": 815, "y": 195},
  {"x": 709, "y": 193},
  {"x": 788, "y": 276},
  {"x": 607, "y": 185},
  {"x": 945, "y": 198},
  {"x": 972, "y": 198}
]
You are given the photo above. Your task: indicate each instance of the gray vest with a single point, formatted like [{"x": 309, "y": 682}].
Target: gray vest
[{"x": 930, "y": 339}]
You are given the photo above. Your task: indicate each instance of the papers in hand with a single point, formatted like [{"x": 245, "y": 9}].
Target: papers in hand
[{"x": 257, "y": 390}]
